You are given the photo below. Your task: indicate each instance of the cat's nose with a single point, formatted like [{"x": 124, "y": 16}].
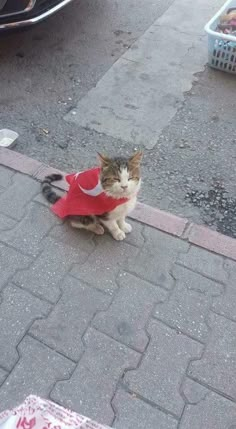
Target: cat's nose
[{"x": 124, "y": 187}]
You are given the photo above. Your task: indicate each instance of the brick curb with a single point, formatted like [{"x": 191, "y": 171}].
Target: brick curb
[{"x": 179, "y": 227}]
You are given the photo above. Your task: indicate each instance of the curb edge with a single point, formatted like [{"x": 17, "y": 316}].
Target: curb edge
[{"x": 169, "y": 223}]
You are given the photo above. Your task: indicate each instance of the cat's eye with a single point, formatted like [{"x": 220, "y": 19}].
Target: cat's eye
[
  {"x": 130, "y": 178},
  {"x": 116, "y": 179}
]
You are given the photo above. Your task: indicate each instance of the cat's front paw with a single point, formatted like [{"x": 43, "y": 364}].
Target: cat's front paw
[
  {"x": 119, "y": 235},
  {"x": 126, "y": 228}
]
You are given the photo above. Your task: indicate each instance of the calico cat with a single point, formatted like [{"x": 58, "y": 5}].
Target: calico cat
[{"x": 100, "y": 197}]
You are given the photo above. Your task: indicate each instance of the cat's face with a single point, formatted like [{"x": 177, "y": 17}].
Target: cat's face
[{"x": 120, "y": 177}]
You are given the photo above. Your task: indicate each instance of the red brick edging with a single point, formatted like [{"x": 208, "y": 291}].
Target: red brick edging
[{"x": 164, "y": 221}]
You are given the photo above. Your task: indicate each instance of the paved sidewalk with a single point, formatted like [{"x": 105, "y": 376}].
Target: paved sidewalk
[{"x": 133, "y": 334}]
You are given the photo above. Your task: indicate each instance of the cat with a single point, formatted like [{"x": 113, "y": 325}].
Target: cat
[{"x": 116, "y": 184}]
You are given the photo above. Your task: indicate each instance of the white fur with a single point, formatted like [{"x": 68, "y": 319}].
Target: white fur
[
  {"x": 132, "y": 186},
  {"x": 122, "y": 211},
  {"x": 116, "y": 224},
  {"x": 124, "y": 188}
]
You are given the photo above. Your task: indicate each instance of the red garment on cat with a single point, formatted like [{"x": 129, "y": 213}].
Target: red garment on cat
[{"x": 85, "y": 196}]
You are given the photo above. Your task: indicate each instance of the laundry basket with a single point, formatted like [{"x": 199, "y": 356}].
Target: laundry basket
[{"x": 221, "y": 47}]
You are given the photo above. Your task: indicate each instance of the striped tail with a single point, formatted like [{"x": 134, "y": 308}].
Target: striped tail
[{"x": 47, "y": 189}]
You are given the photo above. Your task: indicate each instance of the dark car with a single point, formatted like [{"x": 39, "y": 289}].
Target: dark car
[{"x": 21, "y": 13}]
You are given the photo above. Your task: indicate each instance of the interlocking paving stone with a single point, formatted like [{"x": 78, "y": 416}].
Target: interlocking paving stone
[
  {"x": 6, "y": 176},
  {"x": 160, "y": 373},
  {"x": 156, "y": 258},
  {"x": 158, "y": 387},
  {"x": 136, "y": 237},
  {"x": 193, "y": 392},
  {"x": 103, "y": 265},
  {"x": 18, "y": 309},
  {"x": 3, "y": 375},
  {"x": 6, "y": 222},
  {"x": 28, "y": 233},
  {"x": 207, "y": 410},
  {"x": 188, "y": 306},
  {"x": 205, "y": 263},
  {"x": 226, "y": 304},
  {"x": 48, "y": 269},
  {"x": 10, "y": 261},
  {"x": 79, "y": 239},
  {"x": 14, "y": 200},
  {"x": 92, "y": 385},
  {"x": 41, "y": 200},
  {"x": 36, "y": 372},
  {"x": 66, "y": 324},
  {"x": 198, "y": 282},
  {"x": 126, "y": 318},
  {"x": 132, "y": 413},
  {"x": 217, "y": 367}
]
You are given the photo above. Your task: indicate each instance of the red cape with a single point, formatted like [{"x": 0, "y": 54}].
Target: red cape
[{"x": 85, "y": 196}]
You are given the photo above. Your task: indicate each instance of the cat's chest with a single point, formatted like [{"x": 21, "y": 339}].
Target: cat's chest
[{"x": 123, "y": 209}]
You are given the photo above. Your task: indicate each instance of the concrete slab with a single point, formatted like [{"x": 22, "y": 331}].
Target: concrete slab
[{"x": 136, "y": 99}]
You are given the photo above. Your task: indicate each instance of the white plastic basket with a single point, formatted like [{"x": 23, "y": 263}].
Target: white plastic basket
[{"x": 221, "y": 47}]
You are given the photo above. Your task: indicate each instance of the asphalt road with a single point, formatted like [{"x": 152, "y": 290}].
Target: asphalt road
[{"x": 44, "y": 71}]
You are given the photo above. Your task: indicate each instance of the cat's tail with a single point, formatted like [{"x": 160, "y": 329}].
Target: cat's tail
[{"x": 47, "y": 189}]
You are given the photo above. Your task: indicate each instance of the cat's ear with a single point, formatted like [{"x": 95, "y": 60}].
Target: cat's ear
[
  {"x": 104, "y": 159},
  {"x": 136, "y": 158}
]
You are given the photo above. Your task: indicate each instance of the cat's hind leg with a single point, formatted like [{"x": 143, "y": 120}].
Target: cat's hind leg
[{"x": 87, "y": 222}]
